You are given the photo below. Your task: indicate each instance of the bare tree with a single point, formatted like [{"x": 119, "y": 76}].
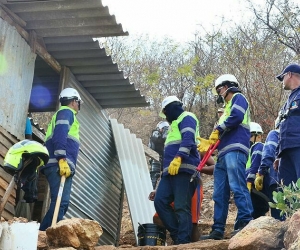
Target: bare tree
[{"x": 282, "y": 17}]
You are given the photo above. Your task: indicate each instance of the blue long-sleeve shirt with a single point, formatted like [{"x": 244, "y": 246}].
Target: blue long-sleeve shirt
[
  {"x": 269, "y": 155},
  {"x": 237, "y": 134},
  {"x": 62, "y": 138},
  {"x": 186, "y": 148},
  {"x": 289, "y": 135}
]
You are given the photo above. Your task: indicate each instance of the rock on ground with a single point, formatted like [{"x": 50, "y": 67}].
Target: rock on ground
[{"x": 75, "y": 232}]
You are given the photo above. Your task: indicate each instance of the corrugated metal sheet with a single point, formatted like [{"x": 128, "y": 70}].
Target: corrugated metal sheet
[
  {"x": 16, "y": 74},
  {"x": 97, "y": 190},
  {"x": 67, "y": 29},
  {"x": 135, "y": 174}
]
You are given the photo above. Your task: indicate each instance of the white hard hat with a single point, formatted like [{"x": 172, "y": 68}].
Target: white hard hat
[
  {"x": 224, "y": 78},
  {"x": 162, "y": 124},
  {"x": 220, "y": 110},
  {"x": 255, "y": 128},
  {"x": 167, "y": 101},
  {"x": 70, "y": 93}
]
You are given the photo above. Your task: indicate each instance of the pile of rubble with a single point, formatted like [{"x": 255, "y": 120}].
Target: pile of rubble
[{"x": 70, "y": 234}]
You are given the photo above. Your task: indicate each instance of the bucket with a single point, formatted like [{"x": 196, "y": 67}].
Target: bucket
[{"x": 151, "y": 235}]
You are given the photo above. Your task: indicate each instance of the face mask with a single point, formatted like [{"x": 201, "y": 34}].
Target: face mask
[{"x": 220, "y": 99}]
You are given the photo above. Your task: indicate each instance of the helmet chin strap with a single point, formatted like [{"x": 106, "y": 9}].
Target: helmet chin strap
[{"x": 222, "y": 97}]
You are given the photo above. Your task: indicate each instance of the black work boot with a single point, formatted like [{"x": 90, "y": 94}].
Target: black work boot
[
  {"x": 214, "y": 235},
  {"x": 241, "y": 225}
]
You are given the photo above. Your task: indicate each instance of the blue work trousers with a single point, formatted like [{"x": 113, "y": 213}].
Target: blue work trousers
[
  {"x": 53, "y": 179},
  {"x": 229, "y": 174},
  {"x": 178, "y": 221},
  {"x": 289, "y": 166}
]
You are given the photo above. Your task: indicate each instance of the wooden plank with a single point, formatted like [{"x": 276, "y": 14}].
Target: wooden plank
[
  {"x": 4, "y": 175},
  {"x": 8, "y": 136},
  {"x": 4, "y": 184},
  {"x": 14, "y": 17},
  {"x": 32, "y": 40},
  {"x": 7, "y": 215},
  {"x": 11, "y": 199},
  {"x": 41, "y": 51},
  {"x": 151, "y": 153},
  {"x": 63, "y": 81}
]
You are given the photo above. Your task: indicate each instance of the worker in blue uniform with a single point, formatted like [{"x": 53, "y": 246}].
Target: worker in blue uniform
[
  {"x": 62, "y": 142},
  {"x": 267, "y": 179},
  {"x": 259, "y": 199},
  {"x": 180, "y": 161},
  {"x": 233, "y": 150},
  {"x": 289, "y": 133}
]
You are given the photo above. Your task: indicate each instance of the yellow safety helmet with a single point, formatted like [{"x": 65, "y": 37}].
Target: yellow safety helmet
[{"x": 22, "y": 151}]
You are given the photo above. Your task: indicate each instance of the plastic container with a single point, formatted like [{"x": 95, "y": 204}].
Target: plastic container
[
  {"x": 151, "y": 235},
  {"x": 19, "y": 236}
]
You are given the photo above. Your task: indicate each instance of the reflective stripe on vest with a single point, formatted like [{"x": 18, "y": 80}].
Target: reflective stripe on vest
[
  {"x": 248, "y": 164},
  {"x": 174, "y": 135},
  {"x": 246, "y": 121},
  {"x": 73, "y": 133}
]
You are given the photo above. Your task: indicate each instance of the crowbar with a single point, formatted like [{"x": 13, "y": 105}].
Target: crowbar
[
  {"x": 58, "y": 200},
  {"x": 202, "y": 163}
]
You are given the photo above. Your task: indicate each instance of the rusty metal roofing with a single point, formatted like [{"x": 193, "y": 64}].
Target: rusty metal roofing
[{"x": 67, "y": 28}]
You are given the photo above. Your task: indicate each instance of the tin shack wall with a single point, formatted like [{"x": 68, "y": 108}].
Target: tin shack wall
[
  {"x": 97, "y": 189},
  {"x": 16, "y": 75}
]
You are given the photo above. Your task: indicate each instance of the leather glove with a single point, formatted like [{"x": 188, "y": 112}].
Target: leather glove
[
  {"x": 259, "y": 182},
  {"x": 214, "y": 136},
  {"x": 174, "y": 166},
  {"x": 203, "y": 145},
  {"x": 249, "y": 186},
  {"x": 64, "y": 168}
]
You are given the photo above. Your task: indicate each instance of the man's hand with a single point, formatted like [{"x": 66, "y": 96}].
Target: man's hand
[
  {"x": 276, "y": 164},
  {"x": 249, "y": 186},
  {"x": 259, "y": 182},
  {"x": 174, "y": 166},
  {"x": 203, "y": 145},
  {"x": 214, "y": 136},
  {"x": 152, "y": 195},
  {"x": 64, "y": 168}
]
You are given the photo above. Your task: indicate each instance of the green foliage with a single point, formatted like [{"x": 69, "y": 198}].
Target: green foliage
[
  {"x": 287, "y": 200},
  {"x": 152, "y": 78},
  {"x": 204, "y": 83}
]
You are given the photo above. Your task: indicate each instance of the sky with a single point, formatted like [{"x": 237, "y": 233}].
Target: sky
[{"x": 178, "y": 19}]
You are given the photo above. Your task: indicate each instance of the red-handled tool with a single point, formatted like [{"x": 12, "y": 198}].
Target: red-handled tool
[{"x": 203, "y": 161}]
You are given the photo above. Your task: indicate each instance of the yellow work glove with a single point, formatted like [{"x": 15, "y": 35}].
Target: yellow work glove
[
  {"x": 259, "y": 182},
  {"x": 174, "y": 166},
  {"x": 249, "y": 186},
  {"x": 203, "y": 145},
  {"x": 214, "y": 136},
  {"x": 64, "y": 168}
]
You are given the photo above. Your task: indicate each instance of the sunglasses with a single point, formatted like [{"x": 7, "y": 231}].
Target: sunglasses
[{"x": 219, "y": 89}]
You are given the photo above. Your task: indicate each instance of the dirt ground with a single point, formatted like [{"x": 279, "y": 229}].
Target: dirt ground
[{"x": 206, "y": 219}]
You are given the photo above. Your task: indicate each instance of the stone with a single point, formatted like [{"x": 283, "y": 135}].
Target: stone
[
  {"x": 75, "y": 232},
  {"x": 42, "y": 241},
  {"x": 291, "y": 236},
  {"x": 264, "y": 233}
]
